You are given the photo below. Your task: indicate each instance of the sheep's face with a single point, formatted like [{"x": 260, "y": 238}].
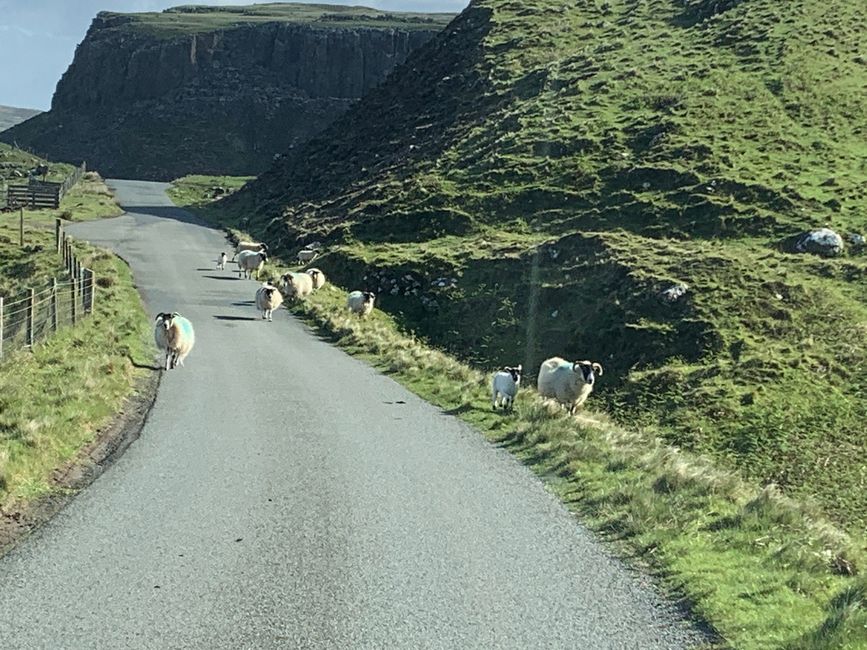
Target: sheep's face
[
  {"x": 269, "y": 292},
  {"x": 587, "y": 371},
  {"x": 515, "y": 373},
  {"x": 314, "y": 274},
  {"x": 263, "y": 256},
  {"x": 369, "y": 297},
  {"x": 165, "y": 320}
]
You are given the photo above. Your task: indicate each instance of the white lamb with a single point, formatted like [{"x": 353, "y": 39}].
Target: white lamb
[
  {"x": 250, "y": 261},
  {"x": 268, "y": 298},
  {"x": 504, "y": 387},
  {"x": 360, "y": 302},
  {"x": 318, "y": 278},
  {"x": 221, "y": 261},
  {"x": 567, "y": 382},
  {"x": 297, "y": 285},
  {"x": 174, "y": 334}
]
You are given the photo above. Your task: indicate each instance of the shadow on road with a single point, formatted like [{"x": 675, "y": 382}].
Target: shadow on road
[
  {"x": 234, "y": 318},
  {"x": 166, "y": 212},
  {"x": 220, "y": 277}
]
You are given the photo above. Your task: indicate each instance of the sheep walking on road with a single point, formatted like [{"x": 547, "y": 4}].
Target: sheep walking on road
[
  {"x": 360, "y": 302},
  {"x": 221, "y": 261},
  {"x": 504, "y": 387},
  {"x": 250, "y": 262},
  {"x": 268, "y": 298},
  {"x": 297, "y": 286},
  {"x": 318, "y": 278},
  {"x": 567, "y": 382},
  {"x": 174, "y": 334}
]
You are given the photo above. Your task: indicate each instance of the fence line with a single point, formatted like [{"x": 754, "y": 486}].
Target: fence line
[
  {"x": 37, "y": 314},
  {"x": 42, "y": 194}
]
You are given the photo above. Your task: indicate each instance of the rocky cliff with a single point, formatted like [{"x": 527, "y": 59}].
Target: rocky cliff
[{"x": 215, "y": 90}]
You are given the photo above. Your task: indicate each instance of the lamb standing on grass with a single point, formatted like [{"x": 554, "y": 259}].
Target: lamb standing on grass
[
  {"x": 306, "y": 255},
  {"x": 221, "y": 261},
  {"x": 505, "y": 387},
  {"x": 318, "y": 278},
  {"x": 361, "y": 302},
  {"x": 174, "y": 334},
  {"x": 249, "y": 261},
  {"x": 268, "y": 298},
  {"x": 567, "y": 382},
  {"x": 297, "y": 285}
]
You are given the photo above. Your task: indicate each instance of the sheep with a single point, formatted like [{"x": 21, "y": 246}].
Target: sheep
[
  {"x": 221, "y": 261},
  {"x": 318, "y": 278},
  {"x": 297, "y": 285},
  {"x": 255, "y": 246},
  {"x": 268, "y": 298},
  {"x": 567, "y": 382},
  {"x": 504, "y": 387},
  {"x": 361, "y": 302},
  {"x": 249, "y": 261},
  {"x": 174, "y": 334},
  {"x": 306, "y": 256}
]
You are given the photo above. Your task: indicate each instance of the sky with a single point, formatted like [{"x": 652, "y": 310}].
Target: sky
[{"x": 38, "y": 37}]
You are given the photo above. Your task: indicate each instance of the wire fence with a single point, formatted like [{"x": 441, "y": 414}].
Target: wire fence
[{"x": 37, "y": 313}]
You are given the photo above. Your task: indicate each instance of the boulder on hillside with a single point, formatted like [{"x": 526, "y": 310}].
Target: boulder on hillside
[{"x": 823, "y": 241}]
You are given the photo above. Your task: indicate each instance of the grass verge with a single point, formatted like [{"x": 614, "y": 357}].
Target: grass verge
[{"x": 55, "y": 398}]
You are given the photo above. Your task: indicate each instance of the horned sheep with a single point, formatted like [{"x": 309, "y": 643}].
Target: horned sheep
[
  {"x": 297, "y": 285},
  {"x": 268, "y": 298},
  {"x": 570, "y": 383},
  {"x": 504, "y": 387},
  {"x": 361, "y": 302},
  {"x": 174, "y": 334},
  {"x": 318, "y": 278},
  {"x": 250, "y": 261}
]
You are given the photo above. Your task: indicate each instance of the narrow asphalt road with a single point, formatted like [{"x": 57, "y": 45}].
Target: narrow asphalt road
[{"x": 285, "y": 495}]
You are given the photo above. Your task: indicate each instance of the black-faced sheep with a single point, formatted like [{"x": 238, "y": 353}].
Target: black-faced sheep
[
  {"x": 305, "y": 256},
  {"x": 268, "y": 298},
  {"x": 297, "y": 286},
  {"x": 250, "y": 261},
  {"x": 174, "y": 334},
  {"x": 360, "y": 302},
  {"x": 567, "y": 382},
  {"x": 504, "y": 387},
  {"x": 255, "y": 246},
  {"x": 318, "y": 278},
  {"x": 221, "y": 261}
]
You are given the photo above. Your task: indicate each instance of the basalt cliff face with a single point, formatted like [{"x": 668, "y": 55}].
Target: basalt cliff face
[{"x": 214, "y": 91}]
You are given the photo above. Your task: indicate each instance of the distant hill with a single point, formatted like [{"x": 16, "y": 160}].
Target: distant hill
[
  {"x": 216, "y": 89},
  {"x": 617, "y": 181},
  {"x": 10, "y": 116}
]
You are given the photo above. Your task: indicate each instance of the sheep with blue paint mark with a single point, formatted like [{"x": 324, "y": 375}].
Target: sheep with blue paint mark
[
  {"x": 570, "y": 383},
  {"x": 174, "y": 335}
]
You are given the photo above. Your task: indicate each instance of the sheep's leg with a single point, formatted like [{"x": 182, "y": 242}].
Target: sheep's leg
[
  {"x": 494, "y": 400},
  {"x": 168, "y": 359}
]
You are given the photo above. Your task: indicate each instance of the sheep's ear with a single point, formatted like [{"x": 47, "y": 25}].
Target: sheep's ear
[
  {"x": 576, "y": 365},
  {"x": 519, "y": 368},
  {"x": 158, "y": 317},
  {"x": 597, "y": 368}
]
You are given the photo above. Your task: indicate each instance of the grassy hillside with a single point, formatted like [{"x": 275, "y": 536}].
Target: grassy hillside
[
  {"x": 10, "y": 116},
  {"x": 193, "y": 19},
  {"x": 560, "y": 166}
]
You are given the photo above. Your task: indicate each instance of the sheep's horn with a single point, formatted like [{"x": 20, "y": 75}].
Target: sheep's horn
[{"x": 597, "y": 368}]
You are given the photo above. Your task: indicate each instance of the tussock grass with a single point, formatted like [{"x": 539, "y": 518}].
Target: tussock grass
[
  {"x": 55, "y": 398},
  {"x": 763, "y": 569}
]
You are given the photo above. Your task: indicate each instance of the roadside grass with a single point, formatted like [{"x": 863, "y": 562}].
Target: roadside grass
[
  {"x": 761, "y": 568},
  {"x": 55, "y": 398}
]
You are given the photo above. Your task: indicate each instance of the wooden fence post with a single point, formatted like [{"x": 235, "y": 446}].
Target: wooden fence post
[
  {"x": 72, "y": 295},
  {"x": 54, "y": 304},
  {"x": 58, "y": 229},
  {"x": 31, "y": 309},
  {"x": 87, "y": 275},
  {"x": 1, "y": 327},
  {"x": 21, "y": 228}
]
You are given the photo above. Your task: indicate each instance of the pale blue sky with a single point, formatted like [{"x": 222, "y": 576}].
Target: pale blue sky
[{"x": 38, "y": 37}]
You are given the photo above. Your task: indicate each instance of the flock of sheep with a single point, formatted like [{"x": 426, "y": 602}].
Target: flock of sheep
[{"x": 568, "y": 382}]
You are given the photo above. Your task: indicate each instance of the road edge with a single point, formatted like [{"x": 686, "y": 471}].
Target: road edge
[{"x": 18, "y": 521}]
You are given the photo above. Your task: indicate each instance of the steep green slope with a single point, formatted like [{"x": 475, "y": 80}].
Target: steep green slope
[{"x": 544, "y": 171}]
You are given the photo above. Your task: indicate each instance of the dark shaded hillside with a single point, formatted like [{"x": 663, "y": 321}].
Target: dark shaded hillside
[
  {"x": 547, "y": 171},
  {"x": 216, "y": 90}
]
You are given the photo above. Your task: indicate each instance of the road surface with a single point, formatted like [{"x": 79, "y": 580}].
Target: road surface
[{"x": 284, "y": 495}]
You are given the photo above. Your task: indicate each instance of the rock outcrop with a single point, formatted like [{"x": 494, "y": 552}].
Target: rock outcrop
[{"x": 215, "y": 91}]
